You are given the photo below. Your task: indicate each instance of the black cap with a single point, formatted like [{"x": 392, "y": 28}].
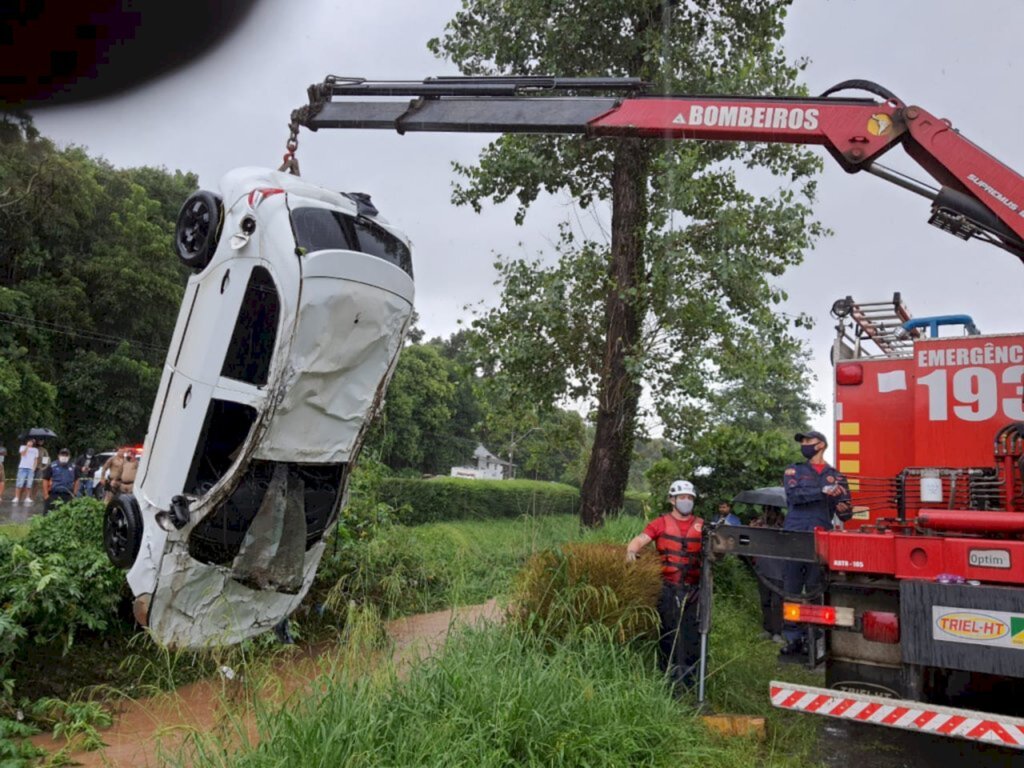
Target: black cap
[{"x": 816, "y": 435}]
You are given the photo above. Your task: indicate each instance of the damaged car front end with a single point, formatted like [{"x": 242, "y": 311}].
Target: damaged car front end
[{"x": 286, "y": 339}]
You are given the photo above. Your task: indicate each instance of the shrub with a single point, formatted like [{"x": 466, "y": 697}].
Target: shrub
[
  {"x": 62, "y": 576},
  {"x": 452, "y": 498},
  {"x": 365, "y": 513},
  {"x": 589, "y": 584},
  {"x": 387, "y": 571},
  {"x": 55, "y": 583}
]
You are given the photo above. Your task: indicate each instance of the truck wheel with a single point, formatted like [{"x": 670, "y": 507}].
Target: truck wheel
[
  {"x": 122, "y": 530},
  {"x": 198, "y": 229}
]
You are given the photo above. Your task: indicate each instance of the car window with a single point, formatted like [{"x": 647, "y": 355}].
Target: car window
[
  {"x": 377, "y": 241},
  {"x": 252, "y": 341},
  {"x": 225, "y": 428},
  {"x": 319, "y": 229}
]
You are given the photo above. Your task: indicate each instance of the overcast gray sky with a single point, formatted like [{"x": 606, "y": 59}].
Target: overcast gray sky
[{"x": 957, "y": 59}]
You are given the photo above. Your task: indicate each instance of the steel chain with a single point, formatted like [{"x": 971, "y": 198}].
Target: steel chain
[
  {"x": 318, "y": 96},
  {"x": 290, "y": 163}
]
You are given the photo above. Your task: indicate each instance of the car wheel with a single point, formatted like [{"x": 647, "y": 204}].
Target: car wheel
[
  {"x": 122, "y": 530},
  {"x": 198, "y": 229}
]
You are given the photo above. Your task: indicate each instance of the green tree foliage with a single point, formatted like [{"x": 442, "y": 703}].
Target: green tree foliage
[
  {"x": 417, "y": 410},
  {"x": 128, "y": 387},
  {"x": 682, "y": 291},
  {"x": 89, "y": 288},
  {"x": 745, "y": 438},
  {"x": 24, "y": 396},
  {"x": 440, "y": 407},
  {"x": 723, "y": 461}
]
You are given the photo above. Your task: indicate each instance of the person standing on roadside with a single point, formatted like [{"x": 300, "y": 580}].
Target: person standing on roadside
[
  {"x": 128, "y": 472},
  {"x": 770, "y": 582},
  {"x": 3, "y": 478},
  {"x": 43, "y": 463},
  {"x": 815, "y": 492},
  {"x": 677, "y": 537},
  {"x": 85, "y": 466},
  {"x": 26, "y": 472},
  {"x": 726, "y": 516},
  {"x": 111, "y": 474},
  {"x": 60, "y": 481}
]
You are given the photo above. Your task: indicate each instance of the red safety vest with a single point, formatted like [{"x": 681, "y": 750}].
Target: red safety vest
[{"x": 679, "y": 548}]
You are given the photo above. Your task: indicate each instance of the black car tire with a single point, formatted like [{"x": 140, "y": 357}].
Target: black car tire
[
  {"x": 198, "y": 229},
  {"x": 122, "y": 530}
]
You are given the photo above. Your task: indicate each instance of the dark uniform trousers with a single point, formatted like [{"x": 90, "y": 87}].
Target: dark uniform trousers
[
  {"x": 808, "y": 508},
  {"x": 679, "y": 644}
]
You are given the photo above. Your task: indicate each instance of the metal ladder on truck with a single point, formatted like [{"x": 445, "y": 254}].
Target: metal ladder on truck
[{"x": 880, "y": 322}]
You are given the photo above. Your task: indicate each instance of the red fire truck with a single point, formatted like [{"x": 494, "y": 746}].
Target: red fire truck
[
  {"x": 923, "y": 610},
  {"x": 923, "y": 607}
]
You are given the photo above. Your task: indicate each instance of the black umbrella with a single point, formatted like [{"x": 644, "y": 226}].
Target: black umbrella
[
  {"x": 37, "y": 433},
  {"x": 773, "y": 496}
]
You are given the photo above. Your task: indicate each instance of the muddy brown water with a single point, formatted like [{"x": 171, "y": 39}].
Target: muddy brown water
[{"x": 147, "y": 728}]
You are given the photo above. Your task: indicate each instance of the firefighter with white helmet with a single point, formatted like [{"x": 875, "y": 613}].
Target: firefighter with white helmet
[{"x": 677, "y": 537}]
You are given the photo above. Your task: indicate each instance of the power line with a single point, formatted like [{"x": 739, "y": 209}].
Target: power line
[{"x": 53, "y": 328}]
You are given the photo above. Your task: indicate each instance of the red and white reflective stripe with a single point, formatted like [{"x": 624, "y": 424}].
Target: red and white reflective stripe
[{"x": 898, "y": 713}]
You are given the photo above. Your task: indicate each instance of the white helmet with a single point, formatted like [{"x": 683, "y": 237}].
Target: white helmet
[{"x": 680, "y": 487}]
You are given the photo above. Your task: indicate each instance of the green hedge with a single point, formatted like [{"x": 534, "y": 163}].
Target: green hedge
[{"x": 451, "y": 498}]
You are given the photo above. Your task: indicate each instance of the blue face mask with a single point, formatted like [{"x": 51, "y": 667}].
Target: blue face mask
[{"x": 808, "y": 451}]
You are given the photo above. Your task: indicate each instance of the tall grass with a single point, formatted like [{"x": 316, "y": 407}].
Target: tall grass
[
  {"x": 589, "y": 583},
  {"x": 406, "y": 570},
  {"x": 519, "y": 694},
  {"x": 497, "y": 696}
]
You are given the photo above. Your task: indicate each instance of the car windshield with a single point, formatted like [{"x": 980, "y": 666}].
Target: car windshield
[{"x": 321, "y": 229}]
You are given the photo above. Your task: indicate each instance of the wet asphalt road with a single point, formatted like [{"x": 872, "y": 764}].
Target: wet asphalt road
[
  {"x": 19, "y": 513},
  {"x": 844, "y": 744}
]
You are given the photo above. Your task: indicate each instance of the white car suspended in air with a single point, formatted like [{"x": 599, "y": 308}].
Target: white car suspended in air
[{"x": 287, "y": 337}]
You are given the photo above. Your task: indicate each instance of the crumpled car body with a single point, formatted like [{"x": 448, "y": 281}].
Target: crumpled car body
[{"x": 286, "y": 339}]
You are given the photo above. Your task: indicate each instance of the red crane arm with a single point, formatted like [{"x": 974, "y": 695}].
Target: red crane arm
[{"x": 979, "y": 196}]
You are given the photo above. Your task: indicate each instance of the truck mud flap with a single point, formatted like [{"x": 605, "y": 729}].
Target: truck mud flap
[
  {"x": 975, "y": 628},
  {"x": 900, "y": 713}
]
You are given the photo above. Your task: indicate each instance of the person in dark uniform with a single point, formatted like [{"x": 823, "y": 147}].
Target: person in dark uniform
[
  {"x": 677, "y": 536},
  {"x": 60, "y": 481},
  {"x": 86, "y": 466},
  {"x": 815, "y": 492},
  {"x": 769, "y": 585}
]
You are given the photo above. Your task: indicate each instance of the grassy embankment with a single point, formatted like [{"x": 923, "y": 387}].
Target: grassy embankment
[{"x": 507, "y": 696}]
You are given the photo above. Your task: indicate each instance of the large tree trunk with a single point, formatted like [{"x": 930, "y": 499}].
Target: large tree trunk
[{"x": 625, "y": 306}]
